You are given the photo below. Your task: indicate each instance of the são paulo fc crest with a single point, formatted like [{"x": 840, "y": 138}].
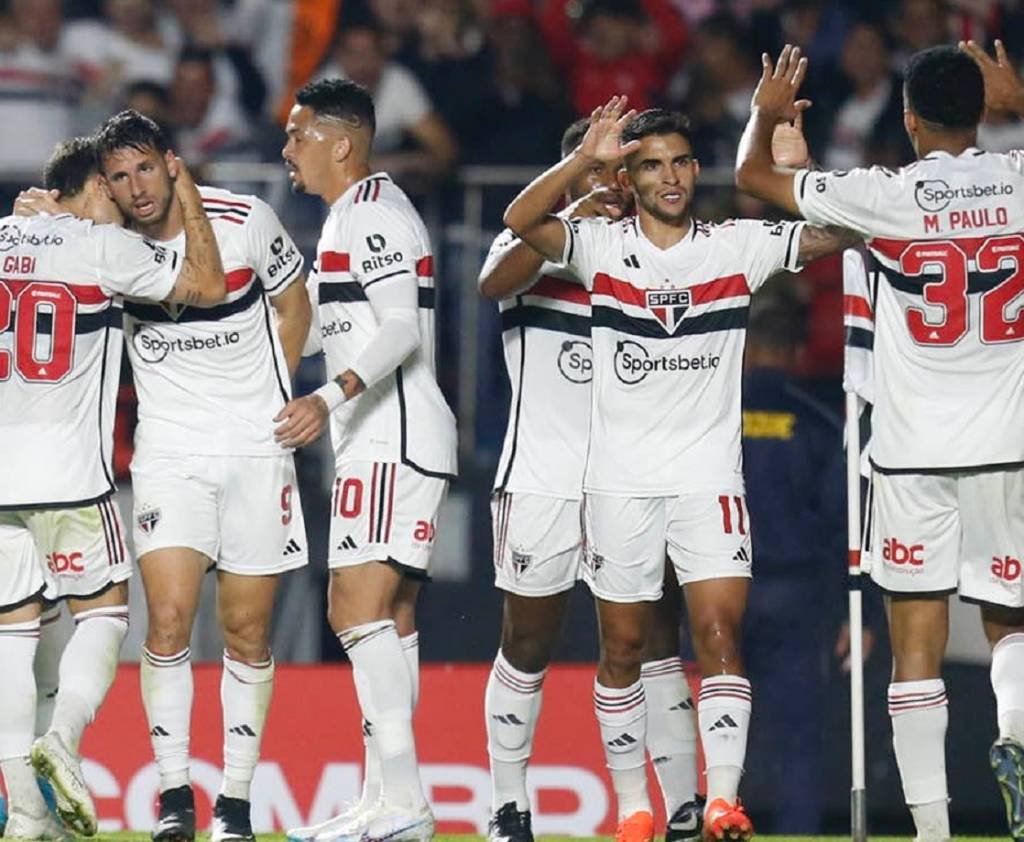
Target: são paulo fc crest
[
  {"x": 520, "y": 562},
  {"x": 148, "y": 519},
  {"x": 668, "y": 306}
]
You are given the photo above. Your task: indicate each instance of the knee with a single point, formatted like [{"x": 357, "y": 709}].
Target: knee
[
  {"x": 623, "y": 650},
  {"x": 717, "y": 637},
  {"x": 246, "y": 637},
  {"x": 526, "y": 652},
  {"x": 170, "y": 629}
]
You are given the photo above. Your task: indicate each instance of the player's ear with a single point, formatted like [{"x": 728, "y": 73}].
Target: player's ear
[
  {"x": 622, "y": 176},
  {"x": 172, "y": 163},
  {"x": 696, "y": 168},
  {"x": 342, "y": 149},
  {"x": 104, "y": 185}
]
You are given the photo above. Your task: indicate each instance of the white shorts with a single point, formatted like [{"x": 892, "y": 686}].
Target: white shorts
[
  {"x": 538, "y": 543},
  {"x": 706, "y": 535},
  {"x": 242, "y": 512},
  {"x": 61, "y": 553},
  {"x": 961, "y": 532},
  {"x": 384, "y": 511}
]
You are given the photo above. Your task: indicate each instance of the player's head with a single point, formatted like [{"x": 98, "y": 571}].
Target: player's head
[
  {"x": 73, "y": 171},
  {"x": 600, "y": 175},
  {"x": 136, "y": 162},
  {"x": 662, "y": 173},
  {"x": 943, "y": 93},
  {"x": 330, "y": 130}
]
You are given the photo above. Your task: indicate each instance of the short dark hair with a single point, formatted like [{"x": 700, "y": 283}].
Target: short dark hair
[
  {"x": 656, "y": 121},
  {"x": 341, "y": 99},
  {"x": 945, "y": 87},
  {"x": 573, "y": 136},
  {"x": 70, "y": 166},
  {"x": 129, "y": 130}
]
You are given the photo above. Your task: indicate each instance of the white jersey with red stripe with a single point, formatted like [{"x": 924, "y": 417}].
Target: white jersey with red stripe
[
  {"x": 946, "y": 264},
  {"x": 211, "y": 379},
  {"x": 668, "y": 330},
  {"x": 60, "y": 352},
  {"x": 546, "y": 338},
  {"x": 372, "y": 235}
]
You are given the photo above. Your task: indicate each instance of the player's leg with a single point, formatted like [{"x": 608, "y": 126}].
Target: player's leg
[
  {"x": 176, "y": 532},
  {"x": 671, "y": 715},
  {"x": 992, "y": 508},
  {"x": 537, "y": 554},
  {"x": 21, "y": 588},
  {"x": 624, "y": 570},
  {"x": 709, "y": 544},
  {"x": 917, "y": 536}
]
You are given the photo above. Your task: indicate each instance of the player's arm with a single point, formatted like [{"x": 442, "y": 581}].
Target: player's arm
[
  {"x": 509, "y": 272},
  {"x": 529, "y": 215},
  {"x": 201, "y": 280},
  {"x": 818, "y": 241},
  {"x": 294, "y": 316},
  {"x": 774, "y": 104},
  {"x": 1004, "y": 90}
]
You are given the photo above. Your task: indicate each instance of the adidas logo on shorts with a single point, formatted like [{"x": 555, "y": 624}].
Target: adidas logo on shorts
[
  {"x": 348, "y": 544},
  {"x": 292, "y": 547}
]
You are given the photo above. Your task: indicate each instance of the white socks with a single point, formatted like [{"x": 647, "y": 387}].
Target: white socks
[
  {"x": 385, "y": 691},
  {"x": 511, "y": 708},
  {"x": 17, "y": 715},
  {"x": 167, "y": 697},
  {"x": 1008, "y": 685},
  {"x": 47, "y": 667},
  {"x": 671, "y": 730},
  {"x": 87, "y": 669},
  {"x": 723, "y": 710},
  {"x": 919, "y": 713},
  {"x": 622, "y": 717},
  {"x": 245, "y": 691}
]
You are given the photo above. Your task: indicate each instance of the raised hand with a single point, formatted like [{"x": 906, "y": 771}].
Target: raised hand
[
  {"x": 1004, "y": 90},
  {"x": 598, "y": 202},
  {"x": 603, "y": 140},
  {"x": 775, "y": 95},
  {"x": 789, "y": 146},
  {"x": 36, "y": 200}
]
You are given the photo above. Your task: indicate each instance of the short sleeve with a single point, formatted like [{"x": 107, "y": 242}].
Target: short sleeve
[
  {"x": 848, "y": 198},
  {"x": 129, "y": 264},
  {"x": 767, "y": 247},
  {"x": 276, "y": 258},
  {"x": 502, "y": 244},
  {"x": 384, "y": 246},
  {"x": 584, "y": 241}
]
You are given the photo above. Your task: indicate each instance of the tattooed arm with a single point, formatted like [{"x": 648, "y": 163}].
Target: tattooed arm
[
  {"x": 201, "y": 280},
  {"x": 818, "y": 241}
]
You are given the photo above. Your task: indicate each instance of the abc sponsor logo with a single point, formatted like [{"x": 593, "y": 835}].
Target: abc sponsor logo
[
  {"x": 575, "y": 361},
  {"x": 153, "y": 347},
  {"x": 1005, "y": 569},
  {"x": 63, "y": 564},
  {"x": 424, "y": 532},
  {"x": 910, "y": 557},
  {"x": 933, "y": 195},
  {"x": 633, "y": 362}
]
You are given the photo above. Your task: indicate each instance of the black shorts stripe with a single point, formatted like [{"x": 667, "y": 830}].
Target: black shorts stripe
[
  {"x": 734, "y": 318},
  {"x": 156, "y": 314}
]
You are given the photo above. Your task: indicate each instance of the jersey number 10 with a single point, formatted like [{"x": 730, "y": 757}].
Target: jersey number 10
[
  {"x": 22, "y": 304},
  {"x": 950, "y": 291}
]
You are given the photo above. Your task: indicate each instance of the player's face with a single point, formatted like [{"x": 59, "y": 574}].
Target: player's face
[
  {"x": 140, "y": 182},
  {"x": 662, "y": 174},
  {"x": 308, "y": 150},
  {"x": 603, "y": 176}
]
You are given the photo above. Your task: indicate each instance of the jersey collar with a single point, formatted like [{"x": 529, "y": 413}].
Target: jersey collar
[
  {"x": 941, "y": 153},
  {"x": 353, "y": 190}
]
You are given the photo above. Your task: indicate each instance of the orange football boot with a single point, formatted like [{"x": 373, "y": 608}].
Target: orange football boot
[
  {"x": 725, "y": 821},
  {"x": 638, "y": 827}
]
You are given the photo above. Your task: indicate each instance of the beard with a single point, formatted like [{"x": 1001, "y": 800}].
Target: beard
[{"x": 662, "y": 215}]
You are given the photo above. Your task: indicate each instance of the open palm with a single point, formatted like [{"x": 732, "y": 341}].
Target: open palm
[{"x": 603, "y": 140}]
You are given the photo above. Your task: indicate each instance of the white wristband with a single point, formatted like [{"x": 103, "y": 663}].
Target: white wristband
[{"x": 332, "y": 395}]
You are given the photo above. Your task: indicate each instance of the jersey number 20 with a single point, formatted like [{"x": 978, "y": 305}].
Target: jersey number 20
[
  {"x": 950, "y": 291},
  {"x": 23, "y": 306}
]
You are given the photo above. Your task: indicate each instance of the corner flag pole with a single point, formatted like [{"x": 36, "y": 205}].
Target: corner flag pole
[{"x": 858, "y": 788}]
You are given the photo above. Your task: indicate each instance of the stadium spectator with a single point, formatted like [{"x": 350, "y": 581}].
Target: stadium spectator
[
  {"x": 38, "y": 85},
  {"x": 150, "y": 99},
  {"x": 208, "y": 125},
  {"x": 919, "y": 24},
  {"x": 412, "y": 142},
  {"x": 628, "y": 47}
]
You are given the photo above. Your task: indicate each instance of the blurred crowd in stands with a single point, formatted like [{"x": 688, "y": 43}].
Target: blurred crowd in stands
[{"x": 487, "y": 82}]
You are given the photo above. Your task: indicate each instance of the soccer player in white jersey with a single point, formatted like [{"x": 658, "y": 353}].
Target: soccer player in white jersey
[
  {"x": 211, "y": 486},
  {"x": 946, "y": 258},
  {"x": 393, "y": 436},
  {"x": 538, "y": 526},
  {"x": 61, "y": 536},
  {"x": 669, "y": 298}
]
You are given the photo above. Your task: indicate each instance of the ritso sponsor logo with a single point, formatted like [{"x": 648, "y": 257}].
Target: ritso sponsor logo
[{"x": 634, "y": 363}]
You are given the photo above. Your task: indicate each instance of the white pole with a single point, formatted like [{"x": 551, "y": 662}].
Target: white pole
[{"x": 858, "y": 788}]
